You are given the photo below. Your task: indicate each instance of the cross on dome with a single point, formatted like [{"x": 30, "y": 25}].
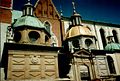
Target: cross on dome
[{"x": 73, "y": 4}]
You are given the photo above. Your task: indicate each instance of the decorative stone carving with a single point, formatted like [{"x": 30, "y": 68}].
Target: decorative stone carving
[
  {"x": 34, "y": 59},
  {"x": 24, "y": 65}
]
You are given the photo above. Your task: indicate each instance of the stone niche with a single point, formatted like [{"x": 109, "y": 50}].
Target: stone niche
[{"x": 28, "y": 62}]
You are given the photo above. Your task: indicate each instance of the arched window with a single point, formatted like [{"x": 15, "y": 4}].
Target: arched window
[
  {"x": 33, "y": 36},
  {"x": 102, "y": 33},
  {"x": 84, "y": 73},
  {"x": 111, "y": 64},
  {"x": 115, "y": 36},
  {"x": 54, "y": 40},
  {"x": 47, "y": 25}
]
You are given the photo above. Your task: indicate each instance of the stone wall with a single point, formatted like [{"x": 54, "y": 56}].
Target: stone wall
[{"x": 28, "y": 65}]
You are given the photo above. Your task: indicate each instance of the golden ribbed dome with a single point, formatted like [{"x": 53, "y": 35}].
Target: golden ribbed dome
[{"x": 77, "y": 31}]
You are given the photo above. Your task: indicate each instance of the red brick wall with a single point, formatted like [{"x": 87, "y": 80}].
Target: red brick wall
[
  {"x": 55, "y": 27},
  {"x": 46, "y": 11},
  {"x": 5, "y": 3},
  {"x": 5, "y": 15}
]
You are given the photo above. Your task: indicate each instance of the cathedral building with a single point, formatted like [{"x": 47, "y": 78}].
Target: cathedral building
[{"x": 39, "y": 44}]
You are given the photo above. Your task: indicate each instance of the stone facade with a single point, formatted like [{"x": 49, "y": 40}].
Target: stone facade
[
  {"x": 30, "y": 62},
  {"x": 32, "y": 65},
  {"x": 25, "y": 60},
  {"x": 101, "y": 65}
]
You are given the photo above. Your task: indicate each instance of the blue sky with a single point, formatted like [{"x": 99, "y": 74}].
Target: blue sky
[{"x": 96, "y": 10}]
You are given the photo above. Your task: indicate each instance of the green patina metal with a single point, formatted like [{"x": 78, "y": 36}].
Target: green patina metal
[
  {"x": 29, "y": 21},
  {"x": 112, "y": 47}
]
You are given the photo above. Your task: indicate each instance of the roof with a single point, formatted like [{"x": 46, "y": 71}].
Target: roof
[
  {"x": 112, "y": 47},
  {"x": 93, "y": 22},
  {"x": 77, "y": 31},
  {"x": 29, "y": 21},
  {"x": 51, "y": 1}
]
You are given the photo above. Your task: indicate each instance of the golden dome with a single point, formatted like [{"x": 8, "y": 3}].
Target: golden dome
[{"x": 77, "y": 31}]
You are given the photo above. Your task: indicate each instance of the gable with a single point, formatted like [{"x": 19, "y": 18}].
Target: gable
[
  {"x": 46, "y": 8},
  {"x": 82, "y": 53}
]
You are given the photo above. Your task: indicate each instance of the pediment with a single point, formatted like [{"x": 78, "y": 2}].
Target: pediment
[
  {"x": 46, "y": 8},
  {"x": 83, "y": 53}
]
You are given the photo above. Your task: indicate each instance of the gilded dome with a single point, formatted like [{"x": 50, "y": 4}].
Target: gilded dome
[{"x": 77, "y": 31}]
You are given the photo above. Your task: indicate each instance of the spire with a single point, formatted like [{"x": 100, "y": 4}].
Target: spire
[
  {"x": 28, "y": 9},
  {"x": 73, "y": 4},
  {"x": 76, "y": 18},
  {"x": 61, "y": 12},
  {"x": 28, "y": 1}
]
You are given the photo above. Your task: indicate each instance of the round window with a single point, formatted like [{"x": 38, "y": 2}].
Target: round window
[
  {"x": 88, "y": 42},
  {"x": 75, "y": 43},
  {"x": 33, "y": 36},
  {"x": 17, "y": 36}
]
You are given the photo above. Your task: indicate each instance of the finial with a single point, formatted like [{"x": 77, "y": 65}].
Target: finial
[
  {"x": 61, "y": 12},
  {"x": 28, "y": 8},
  {"x": 29, "y": 2},
  {"x": 73, "y": 4}
]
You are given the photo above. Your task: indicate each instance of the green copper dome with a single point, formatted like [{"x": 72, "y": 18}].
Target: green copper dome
[
  {"x": 29, "y": 21},
  {"x": 28, "y": 18},
  {"x": 112, "y": 47}
]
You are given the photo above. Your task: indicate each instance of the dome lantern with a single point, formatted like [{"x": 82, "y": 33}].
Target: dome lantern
[
  {"x": 28, "y": 19},
  {"x": 28, "y": 9},
  {"x": 75, "y": 18},
  {"x": 28, "y": 29}
]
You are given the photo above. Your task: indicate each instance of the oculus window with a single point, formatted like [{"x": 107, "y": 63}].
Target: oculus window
[
  {"x": 88, "y": 42},
  {"x": 33, "y": 36}
]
